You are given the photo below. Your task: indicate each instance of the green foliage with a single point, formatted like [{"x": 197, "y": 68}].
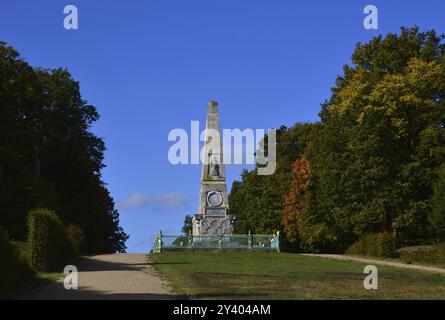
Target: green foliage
[
  {"x": 14, "y": 269},
  {"x": 387, "y": 244},
  {"x": 374, "y": 245},
  {"x": 373, "y": 158},
  {"x": 256, "y": 200},
  {"x": 424, "y": 254},
  {"x": 187, "y": 228},
  {"x": 382, "y": 143},
  {"x": 49, "y": 158},
  {"x": 49, "y": 246},
  {"x": 77, "y": 239},
  {"x": 437, "y": 216},
  {"x": 22, "y": 248}
]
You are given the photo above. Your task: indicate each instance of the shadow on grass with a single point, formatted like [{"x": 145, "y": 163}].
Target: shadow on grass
[{"x": 231, "y": 295}]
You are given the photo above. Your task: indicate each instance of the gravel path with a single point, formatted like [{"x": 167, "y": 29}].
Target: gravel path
[
  {"x": 112, "y": 276},
  {"x": 379, "y": 262}
]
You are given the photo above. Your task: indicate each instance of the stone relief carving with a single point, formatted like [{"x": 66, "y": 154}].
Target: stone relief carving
[{"x": 216, "y": 227}]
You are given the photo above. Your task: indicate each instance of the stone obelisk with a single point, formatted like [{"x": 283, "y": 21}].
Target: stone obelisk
[{"x": 213, "y": 217}]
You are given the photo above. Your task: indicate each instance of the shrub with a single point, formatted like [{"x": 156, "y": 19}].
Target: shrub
[
  {"x": 21, "y": 247},
  {"x": 423, "y": 254},
  {"x": 49, "y": 245},
  {"x": 386, "y": 245},
  {"x": 361, "y": 247},
  {"x": 374, "y": 245},
  {"x": 77, "y": 239},
  {"x": 14, "y": 269}
]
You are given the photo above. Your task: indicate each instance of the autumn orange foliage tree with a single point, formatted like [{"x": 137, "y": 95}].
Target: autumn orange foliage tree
[{"x": 294, "y": 201}]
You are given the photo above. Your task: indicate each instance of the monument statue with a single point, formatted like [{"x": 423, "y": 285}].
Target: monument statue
[
  {"x": 213, "y": 216},
  {"x": 213, "y": 167}
]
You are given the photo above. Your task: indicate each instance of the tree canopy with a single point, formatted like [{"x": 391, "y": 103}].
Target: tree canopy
[
  {"x": 49, "y": 158},
  {"x": 373, "y": 158}
]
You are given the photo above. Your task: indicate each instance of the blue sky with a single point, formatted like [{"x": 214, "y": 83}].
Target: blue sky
[{"x": 152, "y": 66}]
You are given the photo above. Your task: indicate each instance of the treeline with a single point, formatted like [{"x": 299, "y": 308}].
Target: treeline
[
  {"x": 373, "y": 165},
  {"x": 48, "y": 156}
]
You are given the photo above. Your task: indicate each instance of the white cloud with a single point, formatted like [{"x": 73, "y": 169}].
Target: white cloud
[{"x": 167, "y": 201}]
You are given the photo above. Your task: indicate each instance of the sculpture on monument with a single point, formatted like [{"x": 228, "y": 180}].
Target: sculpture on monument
[
  {"x": 213, "y": 218},
  {"x": 213, "y": 166}
]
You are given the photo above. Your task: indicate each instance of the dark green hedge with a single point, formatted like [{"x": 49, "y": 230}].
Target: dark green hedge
[
  {"x": 14, "y": 269},
  {"x": 77, "y": 239},
  {"x": 374, "y": 245},
  {"x": 50, "y": 248},
  {"x": 434, "y": 255}
]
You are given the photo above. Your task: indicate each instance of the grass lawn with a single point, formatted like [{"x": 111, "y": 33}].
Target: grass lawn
[{"x": 249, "y": 275}]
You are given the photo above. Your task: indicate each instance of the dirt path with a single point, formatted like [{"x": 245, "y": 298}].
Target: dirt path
[
  {"x": 379, "y": 262},
  {"x": 113, "y": 276}
]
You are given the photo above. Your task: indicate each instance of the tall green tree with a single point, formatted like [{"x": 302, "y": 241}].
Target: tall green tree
[
  {"x": 48, "y": 155},
  {"x": 437, "y": 216},
  {"x": 383, "y": 140},
  {"x": 373, "y": 157}
]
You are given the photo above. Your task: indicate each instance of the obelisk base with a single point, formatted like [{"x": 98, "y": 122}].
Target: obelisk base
[{"x": 212, "y": 226}]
